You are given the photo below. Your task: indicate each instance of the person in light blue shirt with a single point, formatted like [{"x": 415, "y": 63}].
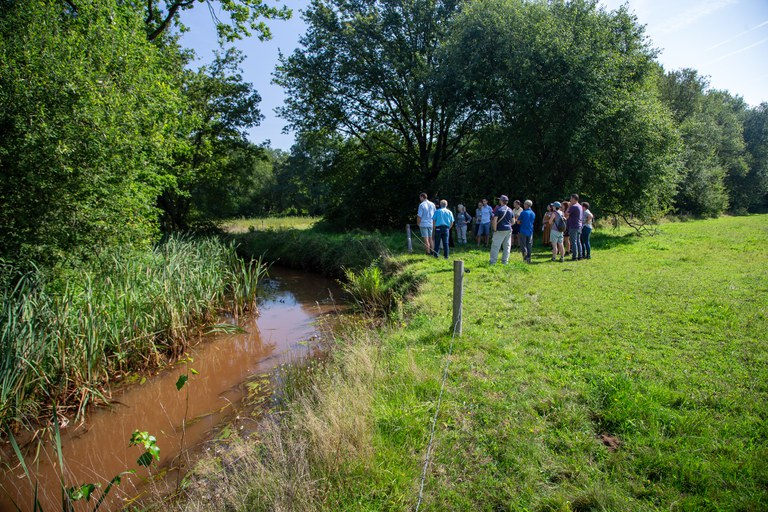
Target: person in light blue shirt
[
  {"x": 424, "y": 220},
  {"x": 525, "y": 221},
  {"x": 443, "y": 222}
]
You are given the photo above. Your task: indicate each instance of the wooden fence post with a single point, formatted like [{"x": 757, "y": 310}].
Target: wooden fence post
[
  {"x": 408, "y": 234},
  {"x": 458, "y": 295}
]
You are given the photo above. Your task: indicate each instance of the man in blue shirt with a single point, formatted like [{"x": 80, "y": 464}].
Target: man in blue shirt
[
  {"x": 501, "y": 224},
  {"x": 443, "y": 221},
  {"x": 525, "y": 221}
]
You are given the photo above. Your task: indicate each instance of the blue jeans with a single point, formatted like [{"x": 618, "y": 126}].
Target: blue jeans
[
  {"x": 441, "y": 237},
  {"x": 526, "y": 246},
  {"x": 575, "y": 235},
  {"x": 586, "y": 248}
]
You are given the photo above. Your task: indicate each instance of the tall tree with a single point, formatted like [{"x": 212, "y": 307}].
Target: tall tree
[
  {"x": 374, "y": 71},
  {"x": 714, "y": 156},
  {"x": 751, "y": 191},
  {"x": 219, "y": 108},
  {"x": 88, "y": 122},
  {"x": 571, "y": 87}
]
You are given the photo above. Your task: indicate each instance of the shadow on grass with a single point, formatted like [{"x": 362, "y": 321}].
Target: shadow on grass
[{"x": 608, "y": 240}]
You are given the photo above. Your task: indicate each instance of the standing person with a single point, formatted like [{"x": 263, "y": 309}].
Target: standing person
[
  {"x": 586, "y": 230},
  {"x": 463, "y": 219},
  {"x": 478, "y": 215},
  {"x": 558, "y": 227},
  {"x": 566, "y": 239},
  {"x": 424, "y": 219},
  {"x": 546, "y": 226},
  {"x": 516, "y": 211},
  {"x": 573, "y": 215},
  {"x": 502, "y": 231},
  {"x": 525, "y": 220},
  {"x": 485, "y": 222},
  {"x": 443, "y": 222}
]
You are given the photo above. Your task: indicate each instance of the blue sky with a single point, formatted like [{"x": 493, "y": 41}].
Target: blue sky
[{"x": 726, "y": 40}]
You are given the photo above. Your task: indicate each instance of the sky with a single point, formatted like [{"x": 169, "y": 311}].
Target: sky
[{"x": 724, "y": 40}]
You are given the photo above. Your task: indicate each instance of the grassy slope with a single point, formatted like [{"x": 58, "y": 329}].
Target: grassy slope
[
  {"x": 656, "y": 342},
  {"x": 659, "y": 342}
]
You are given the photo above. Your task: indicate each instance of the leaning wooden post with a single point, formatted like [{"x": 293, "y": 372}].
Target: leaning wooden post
[
  {"x": 458, "y": 295},
  {"x": 408, "y": 234}
]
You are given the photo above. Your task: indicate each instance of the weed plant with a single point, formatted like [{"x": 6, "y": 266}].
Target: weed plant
[
  {"x": 634, "y": 381},
  {"x": 62, "y": 339}
]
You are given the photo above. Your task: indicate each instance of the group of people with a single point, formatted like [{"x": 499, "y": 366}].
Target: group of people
[{"x": 566, "y": 226}]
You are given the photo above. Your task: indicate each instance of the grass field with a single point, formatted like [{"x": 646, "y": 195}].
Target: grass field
[
  {"x": 634, "y": 381},
  {"x": 237, "y": 226}
]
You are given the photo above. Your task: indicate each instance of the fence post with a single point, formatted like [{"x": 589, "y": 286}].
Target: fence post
[
  {"x": 408, "y": 234},
  {"x": 458, "y": 295}
]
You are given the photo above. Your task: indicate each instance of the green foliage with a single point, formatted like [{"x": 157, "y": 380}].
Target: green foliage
[
  {"x": 369, "y": 289},
  {"x": 714, "y": 155},
  {"x": 243, "y": 16},
  {"x": 374, "y": 72},
  {"x": 574, "y": 92},
  {"x": 127, "y": 311},
  {"x": 88, "y": 115},
  {"x": 149, "y": 443},
  {"x": 750, "y": 191},
  {"x": 216, "y": 164},
  {"x": 319, "y": 251}
]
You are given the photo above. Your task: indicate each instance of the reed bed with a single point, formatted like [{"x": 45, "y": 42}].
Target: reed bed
[{"x": 62, "y": 339}]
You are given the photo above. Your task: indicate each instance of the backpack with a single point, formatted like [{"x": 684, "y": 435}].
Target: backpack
[{"x": 560, "y": 222}]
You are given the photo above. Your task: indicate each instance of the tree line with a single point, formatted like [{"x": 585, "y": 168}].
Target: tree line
[
  {"x": 109, "y": 137},
  {"x": 531, "y": 98}
]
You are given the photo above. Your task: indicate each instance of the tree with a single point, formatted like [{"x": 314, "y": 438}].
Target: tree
[
  {"x": 219, "y": 107},
  {"x": 751, "y": 190},
  {"x": 88, "y": 116},
  {"x": 571, "y": 91},
  {"x": 714, "y": 156},
  {"x": 374, "y": 71}
]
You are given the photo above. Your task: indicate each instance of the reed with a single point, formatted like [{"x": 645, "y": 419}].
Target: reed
[{"x": 63, "y": 335}]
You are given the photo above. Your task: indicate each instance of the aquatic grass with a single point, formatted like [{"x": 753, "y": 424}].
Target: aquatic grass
[{"x": 64, "y": 338}]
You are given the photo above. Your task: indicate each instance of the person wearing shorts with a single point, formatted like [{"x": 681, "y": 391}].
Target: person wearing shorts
[
  {"x": 484, "y": 230},
  {"x": 555, "y": 235},
  {"x": 424, "y": 219}
]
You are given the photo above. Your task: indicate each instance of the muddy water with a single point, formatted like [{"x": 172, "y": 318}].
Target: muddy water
[{"x": 97, "y": 451}]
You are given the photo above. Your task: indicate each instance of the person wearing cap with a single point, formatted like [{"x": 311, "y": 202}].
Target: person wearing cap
[
  {"x": 443, "y": 222},
  {"x": 525, "y": 220},
  {"x": 501, "y": 224},
  {"x": 424, "y": 219},
  {"x": 556, "y": 235}
]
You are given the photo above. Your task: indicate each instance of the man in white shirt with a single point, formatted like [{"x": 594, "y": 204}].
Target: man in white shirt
[{"x": 424, "y": 219}]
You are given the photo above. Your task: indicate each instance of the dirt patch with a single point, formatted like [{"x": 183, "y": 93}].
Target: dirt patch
[{"x": 610, "y": 442}]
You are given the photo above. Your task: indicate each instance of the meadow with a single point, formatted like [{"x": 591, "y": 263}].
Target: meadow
[{"x": 635, "y": 381}]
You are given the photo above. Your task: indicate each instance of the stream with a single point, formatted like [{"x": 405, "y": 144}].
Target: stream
[{"x": 290, "y": 303}]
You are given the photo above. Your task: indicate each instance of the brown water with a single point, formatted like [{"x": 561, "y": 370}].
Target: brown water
[{"x": 97, "y": 451}]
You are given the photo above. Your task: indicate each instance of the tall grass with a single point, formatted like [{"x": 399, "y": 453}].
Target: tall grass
[{"x": 62, "y": 338}]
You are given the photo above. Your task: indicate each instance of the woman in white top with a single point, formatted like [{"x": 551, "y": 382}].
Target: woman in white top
[{"x": 586, "y": 229}]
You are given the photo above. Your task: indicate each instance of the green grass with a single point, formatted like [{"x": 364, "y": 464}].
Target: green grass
[
  {"x": 657, "y": 344},
  {"x": 238, "y": 226}
]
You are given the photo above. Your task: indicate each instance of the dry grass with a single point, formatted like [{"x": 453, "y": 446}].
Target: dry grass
[{"x": 326, "y": 429}]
